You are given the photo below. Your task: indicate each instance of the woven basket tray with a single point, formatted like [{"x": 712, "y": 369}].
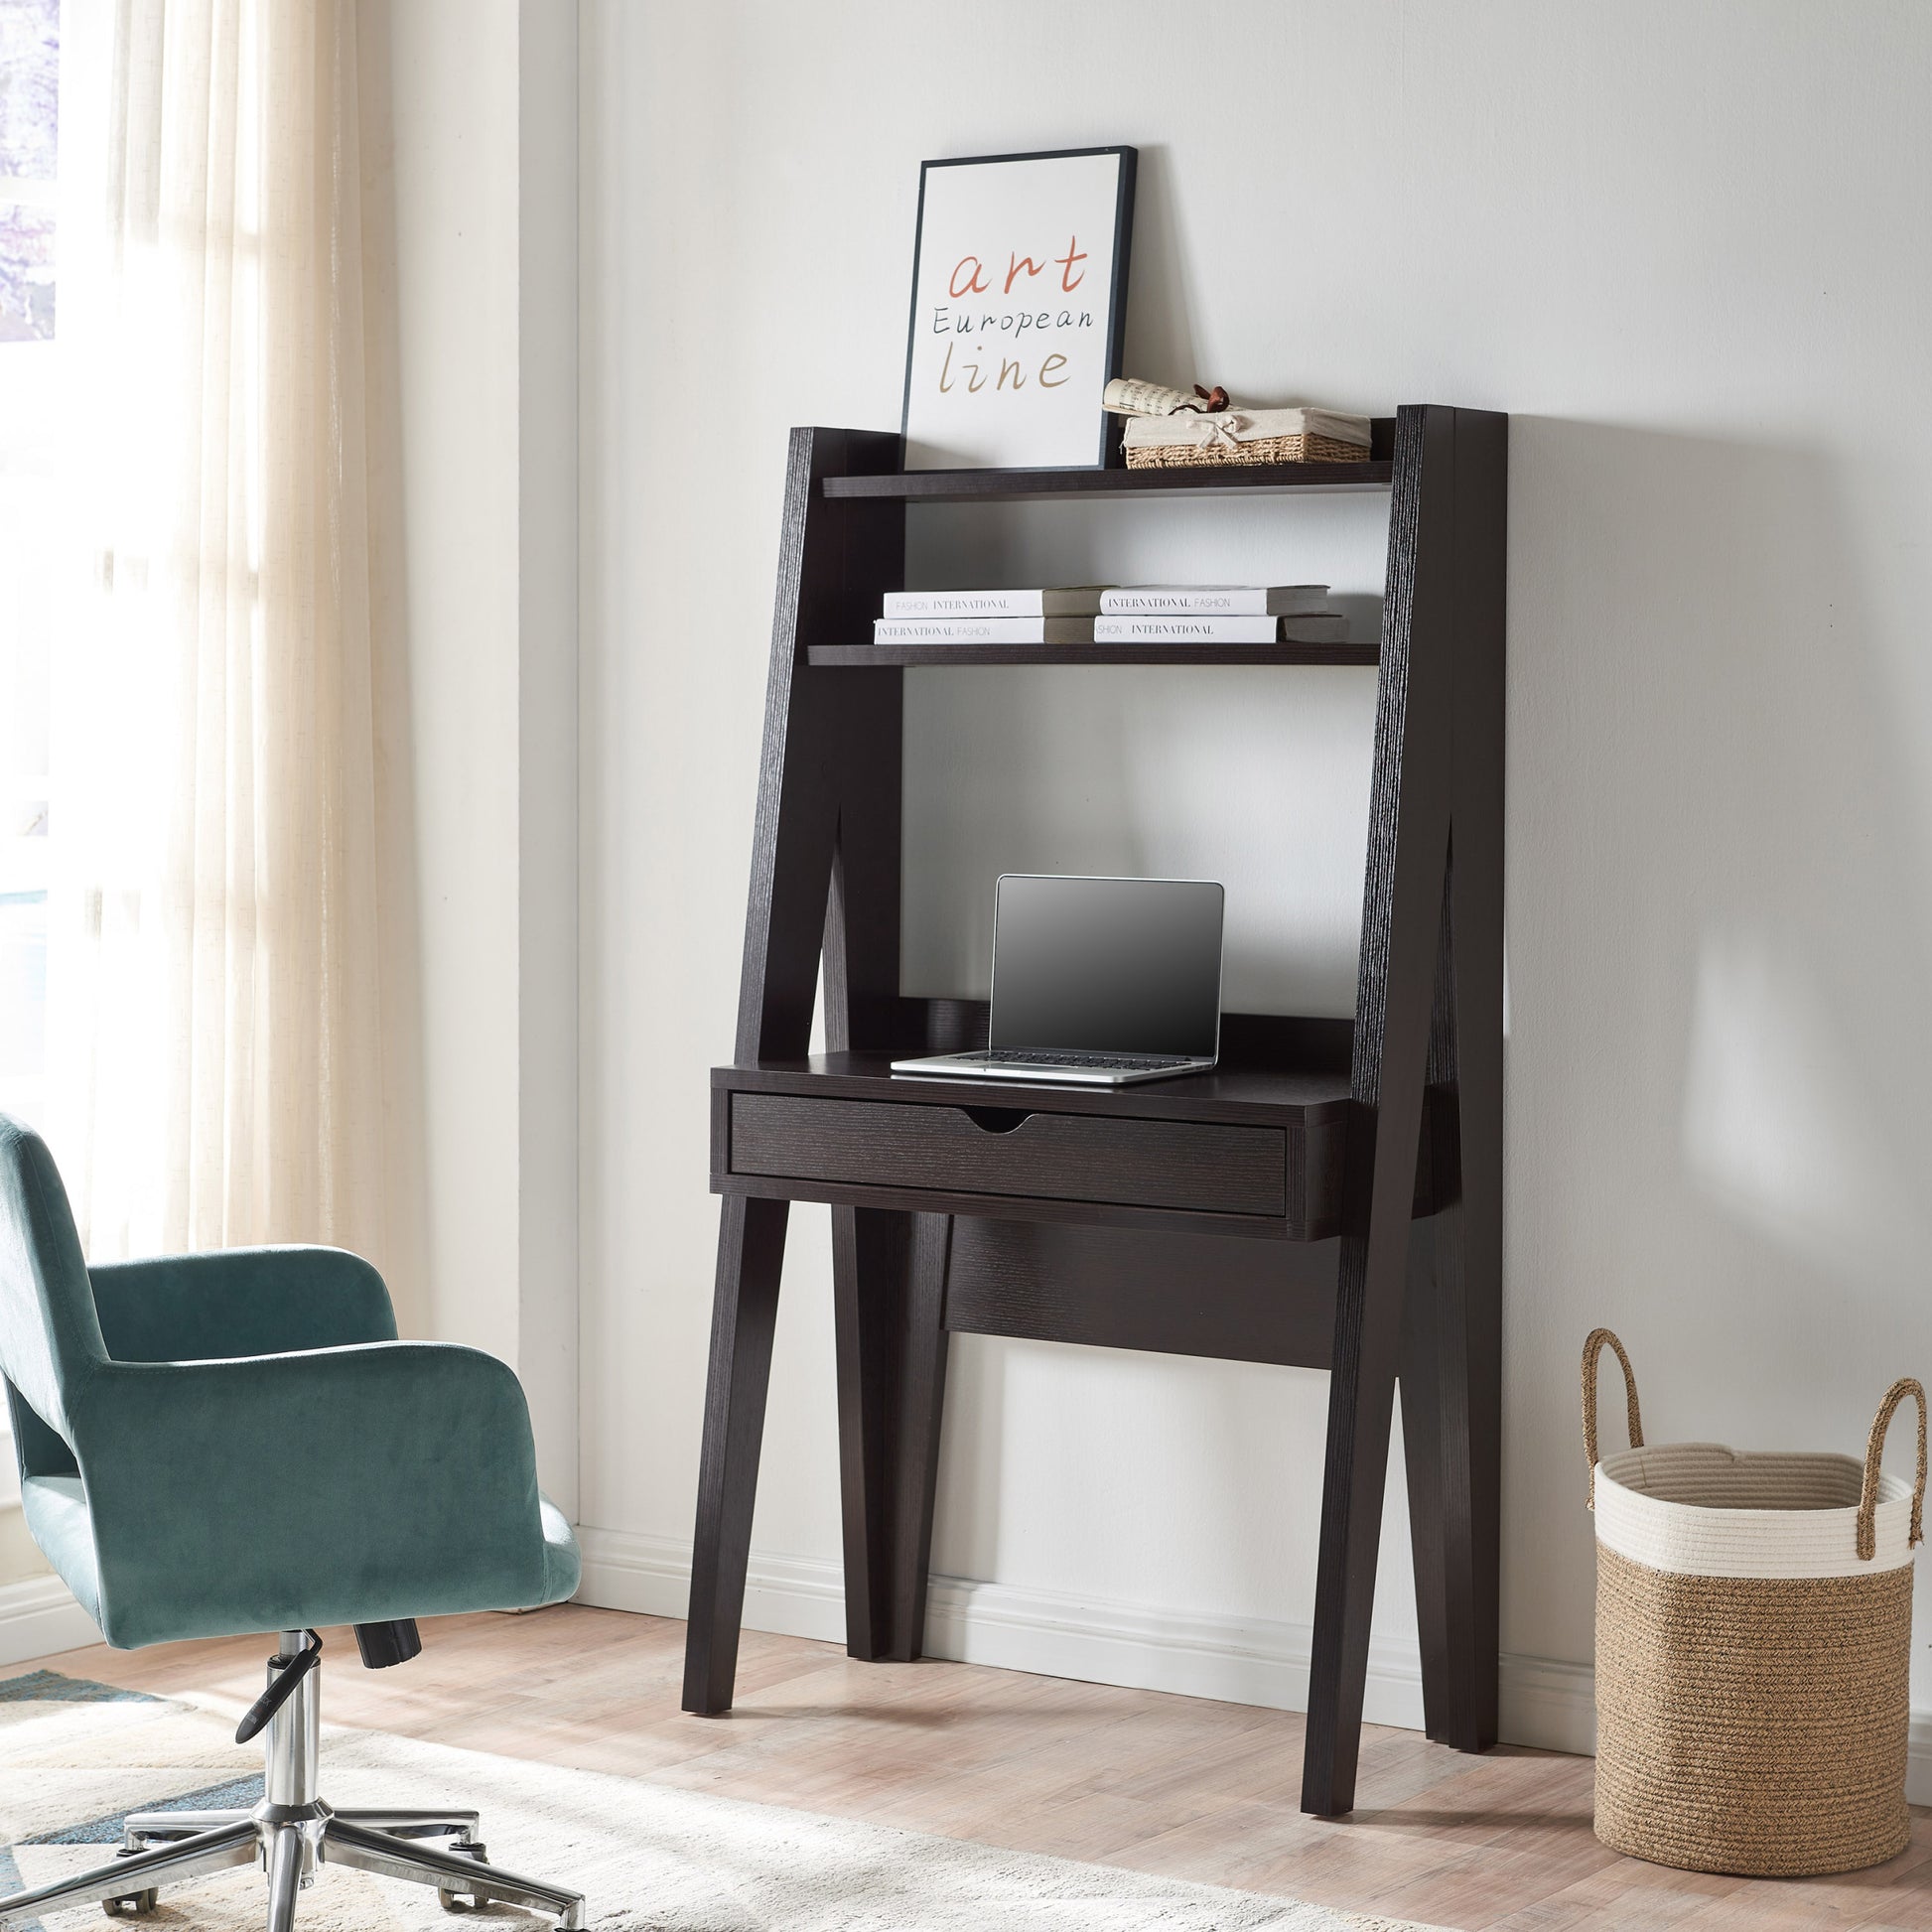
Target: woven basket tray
[{"x": 1265, "y": 449}]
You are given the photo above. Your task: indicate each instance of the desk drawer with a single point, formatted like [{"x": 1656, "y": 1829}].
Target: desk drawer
[{"x": 1193, "y": 1166}]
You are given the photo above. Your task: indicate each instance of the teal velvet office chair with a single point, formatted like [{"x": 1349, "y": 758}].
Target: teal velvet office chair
[{"x": 221, "y": 1444}]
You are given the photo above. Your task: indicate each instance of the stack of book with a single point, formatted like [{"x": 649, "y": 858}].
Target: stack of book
[
  {"x": 1064, "y": 616},
  {"x": 1093, "y": 613},
  {"x": 1218, "y": 613}
]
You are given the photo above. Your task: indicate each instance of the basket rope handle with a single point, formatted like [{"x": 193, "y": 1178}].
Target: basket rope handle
[
  {"x": 1875, "y": 1448},
  {"x": 1593, "y": 1348}
]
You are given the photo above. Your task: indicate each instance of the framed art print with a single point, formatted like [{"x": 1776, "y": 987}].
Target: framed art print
[{"x": 1018, "y": 307}]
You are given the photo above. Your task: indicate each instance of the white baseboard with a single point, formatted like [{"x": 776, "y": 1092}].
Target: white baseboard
[
  {"x": 991, "y": 1623},
  {"x": 1546, "y": 1704},
  {"x": 38, "y": 1617},
  {"x": 1235, "y": 1659}
]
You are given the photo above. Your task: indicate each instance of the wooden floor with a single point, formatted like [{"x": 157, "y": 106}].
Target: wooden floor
[{"x": 1167, "y": 1784}]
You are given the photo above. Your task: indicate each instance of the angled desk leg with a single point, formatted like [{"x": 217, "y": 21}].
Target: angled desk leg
[
  {"x": 1450, "y": 1445},
  {"x": 1369, "y": 1298},
  {"x": 1450, "y": 1376},
  {"x": 1471, "y": 1366},
  {"x": 1423, "y": 1431},
  {"x": 890, "y": 1285},
  {"x": 751, "y": 1256}
]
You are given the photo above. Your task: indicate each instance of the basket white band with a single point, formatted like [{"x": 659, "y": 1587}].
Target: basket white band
[{"x": 1700, "y": 1509}]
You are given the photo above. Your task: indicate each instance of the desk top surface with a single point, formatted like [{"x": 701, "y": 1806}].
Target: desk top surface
[{"x": 1259, "y": 1096}]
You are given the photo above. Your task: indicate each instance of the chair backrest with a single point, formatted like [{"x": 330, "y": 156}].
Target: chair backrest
[{"x": 49, "y": 1335}]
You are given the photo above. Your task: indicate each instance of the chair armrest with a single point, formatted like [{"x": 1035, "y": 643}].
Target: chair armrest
[
  {"x": 239, "y": 1301},
  {"x": 346, "y": 1485}
]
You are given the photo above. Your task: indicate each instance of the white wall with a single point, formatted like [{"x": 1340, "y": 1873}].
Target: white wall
[
  {"x": 479, "y": 704},
  {"x": 454, "y": 80},
  {"x": 1678, "y": 245}
]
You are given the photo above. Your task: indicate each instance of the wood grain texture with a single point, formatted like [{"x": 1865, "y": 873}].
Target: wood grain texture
[
  {"x": 1440, "y": 688},
  {"x": 887, "y": 1288},
  {"x": 1241, "y": 1096},
  {"x": 1431, "y": 1362},
  {"x": 1205, "y": 1167},
  {"x": 889, "y": 1303},
  {"x": 1044, "y": 1209},
  {"x": 889, "y": 1323},
  {"x": 1175, "y": 1293},
  {"x": 992, "y": 485},
  {"x": 744, "y": 1317},
  {"x": 1470, "y": 1386},
  {"x": 1311, "y": 1109},
  {"x": 1407, "y": 842},
  {"x": 1181, "y": 1786},
  {"x": 835, "y": 562}
]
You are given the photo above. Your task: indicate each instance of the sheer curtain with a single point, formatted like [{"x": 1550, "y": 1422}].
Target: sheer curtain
[{"x": 212, "y": 970}]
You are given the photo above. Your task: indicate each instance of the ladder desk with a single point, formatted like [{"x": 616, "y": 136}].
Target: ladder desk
[{"x": 1330, "y": 1196}]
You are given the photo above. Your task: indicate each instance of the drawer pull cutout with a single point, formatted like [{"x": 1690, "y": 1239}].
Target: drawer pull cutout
[{"x": 996, "y": 1120}]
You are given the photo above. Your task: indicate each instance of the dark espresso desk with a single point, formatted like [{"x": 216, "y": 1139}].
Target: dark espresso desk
[{"x": 1329, "y": 1197}]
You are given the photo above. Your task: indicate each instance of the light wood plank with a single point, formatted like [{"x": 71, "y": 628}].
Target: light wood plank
[{"x": 1181, "y": 1786}]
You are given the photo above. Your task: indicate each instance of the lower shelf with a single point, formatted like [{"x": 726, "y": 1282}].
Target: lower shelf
[{"x": 852, "y": 656}]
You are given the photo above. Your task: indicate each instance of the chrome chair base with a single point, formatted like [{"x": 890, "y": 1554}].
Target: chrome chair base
[
  {"x": 290, "y": 1833},
  {"x": 170, "y": 1847}
]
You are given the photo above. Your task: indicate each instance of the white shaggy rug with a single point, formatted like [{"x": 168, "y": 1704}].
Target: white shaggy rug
[{"x": 75, "y": 1757}]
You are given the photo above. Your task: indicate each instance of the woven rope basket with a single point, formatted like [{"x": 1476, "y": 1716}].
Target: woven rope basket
[
  {"x": 1265, "y": 449},
  {"x": 1753, "y": 1648}
]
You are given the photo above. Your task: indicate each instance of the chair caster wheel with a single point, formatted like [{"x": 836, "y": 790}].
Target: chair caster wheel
[
  {"x": 134, "y": 1904},
  {"x": 454, "y": 1900}
]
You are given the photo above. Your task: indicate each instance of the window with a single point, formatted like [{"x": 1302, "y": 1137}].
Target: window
[
  {"x": 30, "y": 107},
  {"x": 30, "y": 52}
]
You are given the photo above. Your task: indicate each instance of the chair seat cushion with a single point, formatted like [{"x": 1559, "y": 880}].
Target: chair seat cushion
[{"x": 56, "y": 1508}]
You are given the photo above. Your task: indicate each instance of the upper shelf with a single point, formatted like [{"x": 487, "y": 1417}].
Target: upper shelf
[{"x": 982, "y": 486}]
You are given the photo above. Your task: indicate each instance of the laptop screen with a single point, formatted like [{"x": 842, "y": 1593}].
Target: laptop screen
[{"x": 1107, "y": 965}]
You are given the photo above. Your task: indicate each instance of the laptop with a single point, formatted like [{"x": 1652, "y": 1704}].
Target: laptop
[{"x": 1100, "y": 981}]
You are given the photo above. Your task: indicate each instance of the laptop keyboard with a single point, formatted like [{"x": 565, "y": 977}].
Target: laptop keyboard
[{"x": 1121, "y": 1062}]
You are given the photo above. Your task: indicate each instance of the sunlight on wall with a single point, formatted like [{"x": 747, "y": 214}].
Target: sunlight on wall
[{"x": 1775, "y": 1126}]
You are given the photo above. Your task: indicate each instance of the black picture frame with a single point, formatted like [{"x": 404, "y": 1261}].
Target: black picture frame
[{"x": 1107, "y": 429}]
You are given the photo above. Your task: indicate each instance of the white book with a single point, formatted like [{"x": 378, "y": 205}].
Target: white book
[
  {"x": 1082, "y": 601},
  {"x": 1329, "y": 628},
  {"x": 1213, "y": 600},
  {"x": 982, "y": 631}
]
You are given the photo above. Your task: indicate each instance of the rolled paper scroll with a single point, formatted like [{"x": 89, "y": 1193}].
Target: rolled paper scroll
[{"x": 1125, "y": 397}]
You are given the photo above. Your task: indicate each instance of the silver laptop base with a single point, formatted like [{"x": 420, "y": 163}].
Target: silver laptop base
[{"x": 979, "y": 1066}]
